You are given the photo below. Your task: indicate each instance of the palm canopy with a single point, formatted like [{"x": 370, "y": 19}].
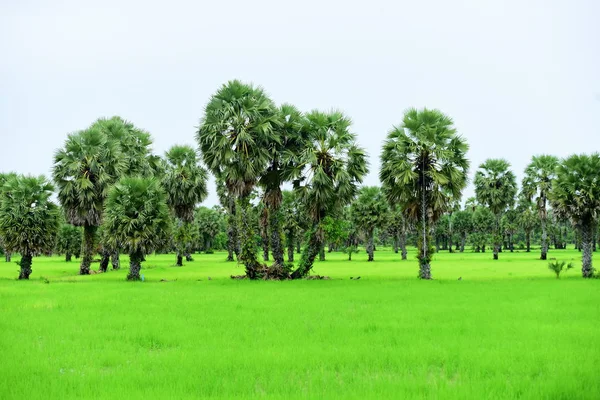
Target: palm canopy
[
  {"x": 495, "y": 185},
  {"x": 236, "y": 135},
  {"x": 84, "y": 170},
  {"x": 137, "y": 218},
  {"x": 28, "y": 219},
  {"x": 537, "y": 183},
  {"x": 331, "y": 165},
  {"x": 134, "y": 144},
  {"x": 369, "y": 210},
  {"x": 424, "y": 159},
  {"x": 576, "y": 188},
  {"x": 184, "y": 181}
]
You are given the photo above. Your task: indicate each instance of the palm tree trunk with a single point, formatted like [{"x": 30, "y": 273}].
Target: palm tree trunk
[
  {"x": 232, "y": 234},
  {"x": 276, "y": 234},
  {"x": 25, "y": 265},
  {"x": 395, "y": 241},
  {"x": 104, "y": 260},
  {"x": 135, "y": 265},
  {"x": 544, "y": 247},
  {"x": 370, "y": 245},
  {"x": 463, "y": 239},
  {"x": 298, "y": 245},
  {"x": 312, "y": 248},
  {"x": 586, "y": 241},
  {"x": 246, "y": 233},
  {"x": 179, "y": 262},
  {"x": 322, "y": 252},
  {"x": 7, "y": 256},
  {"x": 423, "y": 243},
  {"x": 115, "y": 260},
  {"x": 290, "y": 247},
  {"x": 497, "y": 238},
  {"x": 68, "y": 257},
  {"x": 88, "y": 247}
]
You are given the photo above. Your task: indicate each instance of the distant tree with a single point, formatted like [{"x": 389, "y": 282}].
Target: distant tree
[
  {"x": 397, "y": 228},
  {"x": 537, "y": 185},
  {"x": 483, "y": 227},
  {"x": 496, "y": 187},
  {"x": 463, "y": 225},
  {"x": 331, "y": 167},
  {"x": 210, "y": 223},
  {"x": 69, "y": 241},
  {"x": 28, "y": 219},
  {"x": 424, "y": 169},
  {"x": 137, "y": 219},
  {"x": 235, "y": 138},
  {"x": 509, "y": 225},
  {"x": 185, "y": 185},
  {"x": 369, "y": 211},
  {"x": 84, "y": 170},
  {"x": 227, "y": 201},
  {"x": 292, "y": 224},
  {"x": 528, "y": 221},
  {"x": 576, "y": 194}
]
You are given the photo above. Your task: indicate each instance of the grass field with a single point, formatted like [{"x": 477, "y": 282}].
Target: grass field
[{"x": 507, "y": 330}]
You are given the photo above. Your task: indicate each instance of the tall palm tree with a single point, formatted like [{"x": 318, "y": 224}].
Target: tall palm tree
[
  {"x": 84, "y": 170},
  {"x": 424, "y": 169},
  {"x": 576, "y": 194},
  {"x": 185, "y": 184},
  {"x": 283, "y": 152},
  {"x": 137, "y": 219},
  {"x": 327, "y": 175},
  {"x": 537, "y": 184},
  {"x": 369, "y": 211},
  {"x": 235, "y": 137},
  {"x": 496, "y": 187},
  {"x": 28, "y": 219}
]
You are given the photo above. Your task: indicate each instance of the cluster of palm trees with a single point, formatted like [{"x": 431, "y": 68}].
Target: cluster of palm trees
[{"x": 126, "y": 199}]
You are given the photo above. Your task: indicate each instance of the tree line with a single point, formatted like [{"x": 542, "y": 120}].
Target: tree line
[{"x": 116, "y": 196}]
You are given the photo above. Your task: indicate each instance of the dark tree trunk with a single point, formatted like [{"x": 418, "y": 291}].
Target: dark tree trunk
[
  {"x": 510, "y": 243},
  {"x": 299, "y": 246},
  {"x": 232, "y": 233},
  {"x": 312, "y": 248},
  {"x": 370, "y": 245},
  {"x": 423, "y": 242},
  {"x": 587, "y": 244},
  {"x": 7, "y": 256},
  {"x": 265, "y": 247},
  {"x": 395, "y": 241},
  {"x": 528, "y": 241},
  {"x": 115, "y": 260},
  {"x": 25, "y": 265},
  {"x": 88, "y": 248},
  {"x": 290, "y": 252},
  {"x": 135, "y": 265},
  {"x": 290, "y": 246},
  {"x": 104, "y": 260},
  {"x": 496, "y": 250},
  {"x": 179, "y": 260},
  {"x": 402, "y": 240},
  {"x": 544, "y": 244},
  {"x": 188, "y": 257},
  {"x": 463, "y": 239},
  {"x": 276, "y": 234},
  {"x": 437, "y": 244},
  {"x": 246, "y": 233},
  {"x": 450, "y": 249},
  {"x": 68, "y": 257},
  {"x": 483, "y": 248}
]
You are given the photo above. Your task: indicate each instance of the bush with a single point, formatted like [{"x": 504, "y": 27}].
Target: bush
[{"x": 558, "y": 266}]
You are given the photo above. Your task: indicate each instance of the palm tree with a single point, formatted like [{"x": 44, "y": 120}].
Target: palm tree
[
  {"x": 210, "y": 223},
  {"x": 235, "y": 137},
  {"x": 84, "y": 170},
  {"x": 496, "y": 187},
  {"x": 227, "y": 201},
  {"x": 327, "y": 175},
  {"x": 4, "y": 177},
  {"x": 537, "y": 184},
  {"x": 291, "y": 224},
  {"x": 424, "y": 169},
  {"x": 397, "y": 227},
  {"x": 137, "y": 219},
  {"x": 28, "y": 219},
  {"x": 68, "y": 241},
  {"x": 283, "y": 155},
  {"x": 185, "y": 184},
  {"x": 576, "y": 194},
  {"x": 528, "y": 221},
  {"x": 463, "y": 225},
  {"x": 369, "y": 211}
]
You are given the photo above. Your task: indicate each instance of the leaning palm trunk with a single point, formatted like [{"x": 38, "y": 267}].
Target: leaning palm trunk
[
  {"x": 135, "y": 265},
  {"x": 25, "y": 265},
  {"x": 586, "y": 242},
  {"x": 87, "y": 248},
  {"x": 370, "y": 246},
  {"x": 311, "y": 250}
]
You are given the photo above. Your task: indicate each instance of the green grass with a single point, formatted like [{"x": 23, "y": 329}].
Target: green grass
[{"x": 508, "y": 329}]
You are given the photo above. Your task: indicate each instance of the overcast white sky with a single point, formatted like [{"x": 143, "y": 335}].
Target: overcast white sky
[{"x": 518, "y": 77}]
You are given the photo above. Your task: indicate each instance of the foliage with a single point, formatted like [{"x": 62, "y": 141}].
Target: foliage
[
  {"x": 424, "y": 170},
  {"x": 69, "y": 240},
  {"x": 28, "y": 219},
  {"x": 558, "y": 266},
  {"x": 211, "y": 223}
]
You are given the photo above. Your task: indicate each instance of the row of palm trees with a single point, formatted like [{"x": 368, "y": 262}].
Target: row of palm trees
[{"x": 109, "y": 182}]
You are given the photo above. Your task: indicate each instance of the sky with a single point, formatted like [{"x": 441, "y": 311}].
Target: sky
[{"x": 518, "y": 77}]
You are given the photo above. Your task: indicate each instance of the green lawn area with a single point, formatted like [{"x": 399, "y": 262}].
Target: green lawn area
[{"x": 507, "y": 330}]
